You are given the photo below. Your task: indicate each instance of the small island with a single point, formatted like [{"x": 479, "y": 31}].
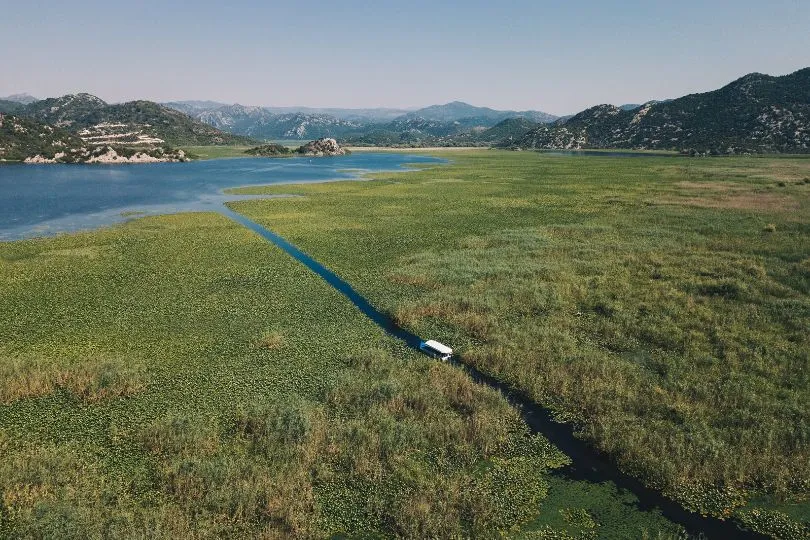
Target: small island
[
  {"x": 319, "y": 148},
  {"x": 322, "y": 147},
  {"x": 269, "y": 150}
]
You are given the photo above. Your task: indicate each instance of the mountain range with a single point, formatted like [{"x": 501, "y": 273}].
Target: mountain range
[
  {"x": 376, "y": 125},
  {"x": 366, "y": 115},
  {"x": 754, "y": 114}
]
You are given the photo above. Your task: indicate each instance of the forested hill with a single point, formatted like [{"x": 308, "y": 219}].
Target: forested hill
[
  {"x": 135, "y": 122},
  {"x": 21, "y": 138},
  {"x": 754, "y": 114},
  {"x": 30, "y": 141}
]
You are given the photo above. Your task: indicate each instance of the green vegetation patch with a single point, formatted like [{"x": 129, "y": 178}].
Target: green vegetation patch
[
  {"x": 179, "y": 377},
  {"x": 269, "y": 150},
  {"x": 659, "y": 304}
]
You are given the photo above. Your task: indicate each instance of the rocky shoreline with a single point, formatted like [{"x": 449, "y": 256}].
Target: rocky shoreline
[{"x": 111, "y": 155}]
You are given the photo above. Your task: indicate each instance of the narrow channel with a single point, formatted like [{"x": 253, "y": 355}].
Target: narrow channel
[{"x": 587, "y": 464}]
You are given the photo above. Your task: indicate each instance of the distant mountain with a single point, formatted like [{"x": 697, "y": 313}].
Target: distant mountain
[
  {"x": 191, "y": 106},
  {"x": 420, "y": 125},
  {"x": 416, "y": 131},
  {"x": 357, "y": 116},
  {"x": 309, "y": 126},
  {"x": 408, "y": 131},
  {"x": 470, "y": 115},
  {"x": 25, "y": 99},
  {"x": 263, "y": 124},
  {"x": 132, "y": 123},
  {"x": 374, "y": 126},
  {"x": 754, "y": 114},
  {"x": 260, "y": 123}
]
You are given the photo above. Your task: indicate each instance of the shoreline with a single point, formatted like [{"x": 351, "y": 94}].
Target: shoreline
[{"x": 210, "y": 202}]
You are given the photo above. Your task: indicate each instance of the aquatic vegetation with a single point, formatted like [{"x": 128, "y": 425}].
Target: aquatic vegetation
[
  {"x": 660, "y": 304},
  {"x": 179, "y": 377}
]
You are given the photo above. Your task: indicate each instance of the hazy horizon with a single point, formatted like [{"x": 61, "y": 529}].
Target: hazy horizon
[{"x": 528, "y": 55}]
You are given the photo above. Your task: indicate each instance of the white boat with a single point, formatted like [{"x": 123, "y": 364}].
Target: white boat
[{"x": 436, "y": 350}]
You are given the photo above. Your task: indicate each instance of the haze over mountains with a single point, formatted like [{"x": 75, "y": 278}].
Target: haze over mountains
[
  {"x": 369, "y": 115},
  {"x": 754, "y": 114},
  {"x": 271, "y": 123},
  {"x": 24, "y": 99}
]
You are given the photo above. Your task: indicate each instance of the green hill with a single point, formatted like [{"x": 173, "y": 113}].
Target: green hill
[
  {"x": 509, "y": 129},
  {"x": 755, "y": 114},
  {"x": 132, "y": 123},
  {"x": 21, "y": 138},
  {"x": 10, "y": 107},
  {"x": 24, "y": 139}
]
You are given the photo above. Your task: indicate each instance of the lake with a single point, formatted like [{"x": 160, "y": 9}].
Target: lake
[{"x": 42, "y": 200}]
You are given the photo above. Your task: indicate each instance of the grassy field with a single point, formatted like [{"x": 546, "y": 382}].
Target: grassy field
[
  {"x": 660, "y": 304},
  {"x": 178, "y": 377}
]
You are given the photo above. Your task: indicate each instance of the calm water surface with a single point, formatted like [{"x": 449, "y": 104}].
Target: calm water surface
[{"x": 41, "y": 200}]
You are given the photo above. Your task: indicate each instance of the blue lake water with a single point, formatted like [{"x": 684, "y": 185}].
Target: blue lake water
[{"x": 41, "y": 200}]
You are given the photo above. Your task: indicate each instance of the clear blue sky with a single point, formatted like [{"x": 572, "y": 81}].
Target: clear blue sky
[{"x": 557, "y": 56}]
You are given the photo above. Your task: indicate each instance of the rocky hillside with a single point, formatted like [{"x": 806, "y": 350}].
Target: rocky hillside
[
  {"x": 262, "y": 124},
  {"x": 321, "y": 148},
  {"x": 24, "y": 139},
  {"x": 21, "y": 138},
  {"x": 755, "y": 114},
  {"x": 299, "y": 126},
  {"x": 133, "y": 123}
]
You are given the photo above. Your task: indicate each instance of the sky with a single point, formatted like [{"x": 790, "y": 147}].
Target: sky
[{"x": 554, "y": 56}]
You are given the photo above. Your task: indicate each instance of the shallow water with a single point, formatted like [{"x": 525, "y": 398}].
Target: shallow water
[{"x": 42, "y": 200}]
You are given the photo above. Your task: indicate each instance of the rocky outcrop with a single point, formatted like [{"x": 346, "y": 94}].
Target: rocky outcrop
[
  {"x": 322, "y": 147},
  {"x": 111, "y": 155}
]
